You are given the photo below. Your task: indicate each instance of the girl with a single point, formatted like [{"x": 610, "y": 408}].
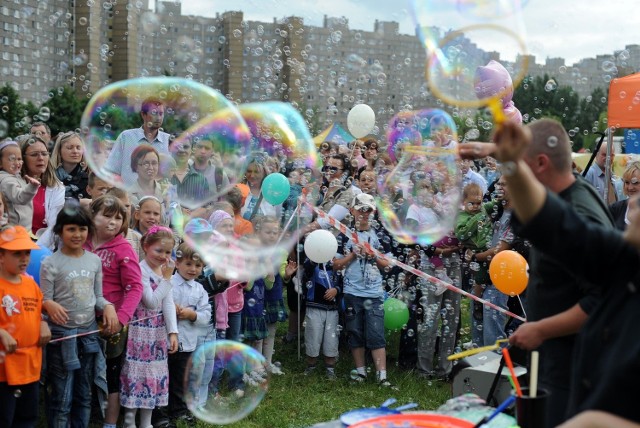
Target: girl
[
  {"x": 145, "y": 374},
  {"x": 72, "y": 288},
  {"x": 133, "y": 237},
  {"x": 148, "y": 213},
  {"x": 70, "y": 166},
  {"x": 19, "y": 191},
  {"x": 50, "y": 196},
  {"x": 121, "y": 285},
  {"x": 268, "y": 229},
  {"x": 254, "y": 322}
]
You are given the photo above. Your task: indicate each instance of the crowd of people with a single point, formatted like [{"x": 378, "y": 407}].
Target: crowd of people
[{"x": 120, "y": 265}]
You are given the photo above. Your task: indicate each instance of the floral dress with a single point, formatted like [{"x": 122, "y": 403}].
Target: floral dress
[{"x": 144, "y": 380}]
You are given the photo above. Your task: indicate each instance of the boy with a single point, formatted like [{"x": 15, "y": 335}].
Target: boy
[
  {"x": 364, "y": 293},
  {"x": 194, "y": 313},
  {"x": 321, "y": 320},
  {"x": 96, "y": 187},
  {"x": 474, "y": 231},
  {"x": 23, "y": 333}
]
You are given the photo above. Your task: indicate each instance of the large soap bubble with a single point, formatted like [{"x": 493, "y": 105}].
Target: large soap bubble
[
  {"x": 280, "y": 143},
  {"x": 225, "y": 381},
  {"x": 419, "y": 199},
  {"x": 154, "y": 112}
]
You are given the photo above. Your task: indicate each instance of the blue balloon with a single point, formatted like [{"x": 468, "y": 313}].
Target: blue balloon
[
  {"x": 34, "y": 264},
  {"x": 275, "y": 188}
]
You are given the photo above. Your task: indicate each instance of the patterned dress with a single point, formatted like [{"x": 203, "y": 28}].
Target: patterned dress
[
  {"x": 144, "y": 380},
  {"x": 254, "y": 323}
]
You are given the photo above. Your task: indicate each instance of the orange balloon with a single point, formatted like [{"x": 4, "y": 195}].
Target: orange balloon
[{"x": 509, "y": 272}]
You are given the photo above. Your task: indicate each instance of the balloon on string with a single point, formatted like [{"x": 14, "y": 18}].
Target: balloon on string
[
  {"x": 361, "y": 120},
  {"x": 320, "y": 246},
  {"x": 275, "y": 188},
  {"x": 418, "y": 201},
  {"x": 396, "y": 314},
  {"x": 169, "y": 104},
  {"x": 509, "y": 272},
  {"x": 238, "y": 395}
]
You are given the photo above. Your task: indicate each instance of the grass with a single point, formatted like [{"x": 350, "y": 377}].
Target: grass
[{"x": 294, "y": 400}]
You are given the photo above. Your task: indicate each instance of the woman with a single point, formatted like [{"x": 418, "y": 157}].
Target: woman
[
  {"x": 631, "y": 186},
  {"x": 69, "y": 164},
  {"x": 49, "y": 199},
  {"x": 145, "y": 161},
  {"x": 371, "y": 153},
  {"x": 255, "y": 204}
]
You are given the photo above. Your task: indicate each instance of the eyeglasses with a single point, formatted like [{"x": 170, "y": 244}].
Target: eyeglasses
[
  {"x": 67, "y": 135},
  {"x": 331, "y": 169},
  {"x": 37, "y": 154},
  {"x": 148, "y": 164}
]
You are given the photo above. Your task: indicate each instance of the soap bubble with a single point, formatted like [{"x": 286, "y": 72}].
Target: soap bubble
[
  {"x": 419, "y": 199},
  {"x": 239, "y": 389},
  {"x": 111, "y": 127},
  {"x": 279, "y": 141}
]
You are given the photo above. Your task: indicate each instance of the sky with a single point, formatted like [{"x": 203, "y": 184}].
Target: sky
[{"x": 551, "y": 28}]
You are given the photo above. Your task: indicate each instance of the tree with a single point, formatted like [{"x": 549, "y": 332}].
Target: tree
[
  {"x": 65, "y": 109},
  {"x": 16, "y": 114}
]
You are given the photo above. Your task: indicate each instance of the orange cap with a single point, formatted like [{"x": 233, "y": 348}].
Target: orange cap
[{"x": 16, "y": 238}]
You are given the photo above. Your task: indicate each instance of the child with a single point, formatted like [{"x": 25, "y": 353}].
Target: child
[
  {"x": 194, "y": 314},
  {"x": 242, "y": 226},
  {"x": 321, "y": 320},
  {"x": 148, "y": 213},
  {"x": 71, "y": 281},
  {"x": 121, "y": 285},
  {"x": 152, "y": 334},
  {"x": 268, "y": 230},
  {"x": 254, "y": 323},
  {"x": 133, "y": 237},
  {"x": 363, "y": 293},
  {"x": 23, "y": 333},
  {"x": 18, "y": 191},
  {"x": 474, "y": 230},
  {"x": 96, "y": 187}
]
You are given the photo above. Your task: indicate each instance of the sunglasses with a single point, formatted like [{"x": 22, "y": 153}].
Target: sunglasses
[
  {"x": 331, "y": 169},
  {"x": 632, "y": 181},
  {"x": 364, "y": 209}
]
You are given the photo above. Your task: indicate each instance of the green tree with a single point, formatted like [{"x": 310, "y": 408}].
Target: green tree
[
  {"x": 65, "y": 109},
  {"x": 16, "y": 114}
]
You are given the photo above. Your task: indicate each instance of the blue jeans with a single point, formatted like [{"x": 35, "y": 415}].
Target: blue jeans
[
  {"x": 492, "y": 320},
  {"x": 365, "y": 322},
  {"x": 68, "y": 397},
  {"x": 235, "y": 326}
]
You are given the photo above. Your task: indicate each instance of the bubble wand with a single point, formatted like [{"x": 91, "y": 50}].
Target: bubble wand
[{"x": 507, "y": 360}]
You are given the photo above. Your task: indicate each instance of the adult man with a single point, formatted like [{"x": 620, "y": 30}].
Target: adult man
[
  {"x": 605, "y": 364},
  {"x": 596, "y": 176},
  {"x": 208, "y": 162},
  {"x": 42, "y": 131},
  {"x": 152, "y": 114},
  {"x": 557, "y": 301},
  {"x": 470, "y": 176}
]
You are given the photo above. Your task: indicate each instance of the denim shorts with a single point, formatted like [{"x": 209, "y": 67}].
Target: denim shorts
[{"x": 365, "y": 322}]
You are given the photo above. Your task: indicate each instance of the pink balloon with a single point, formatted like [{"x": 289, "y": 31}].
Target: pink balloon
[{"x": 493, "y": 79}]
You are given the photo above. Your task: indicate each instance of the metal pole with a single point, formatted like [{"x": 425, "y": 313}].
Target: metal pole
[{"x": 607, "y": 165}]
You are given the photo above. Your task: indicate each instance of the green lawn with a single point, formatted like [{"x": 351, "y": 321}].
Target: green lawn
[{"x": 294, "y": 400}]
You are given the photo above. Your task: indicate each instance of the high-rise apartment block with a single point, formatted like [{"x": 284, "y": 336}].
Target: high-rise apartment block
[{"x": 324, "y": 70}]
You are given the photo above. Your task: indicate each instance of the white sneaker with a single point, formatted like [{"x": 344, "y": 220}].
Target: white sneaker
[{"x": 275, "y": 370}]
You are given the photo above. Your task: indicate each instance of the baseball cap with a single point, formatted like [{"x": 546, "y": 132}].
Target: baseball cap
[
  {"x": 16, "y": 238},
  {"x": 363, "y": 200}
]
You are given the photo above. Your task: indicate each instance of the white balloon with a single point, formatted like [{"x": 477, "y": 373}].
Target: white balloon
[
  {"x": 361, "y": 120},
  {"x": 320, "y": 246}
]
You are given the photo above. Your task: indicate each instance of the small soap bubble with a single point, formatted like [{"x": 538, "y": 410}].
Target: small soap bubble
[{"x": 232, "y": 400}]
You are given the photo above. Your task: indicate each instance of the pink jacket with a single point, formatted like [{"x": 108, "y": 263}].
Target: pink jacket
[
  {"x": 222, "y": 311},
  {"x": 121, "y": 276},
  {"x": 235, "y": 296}
]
